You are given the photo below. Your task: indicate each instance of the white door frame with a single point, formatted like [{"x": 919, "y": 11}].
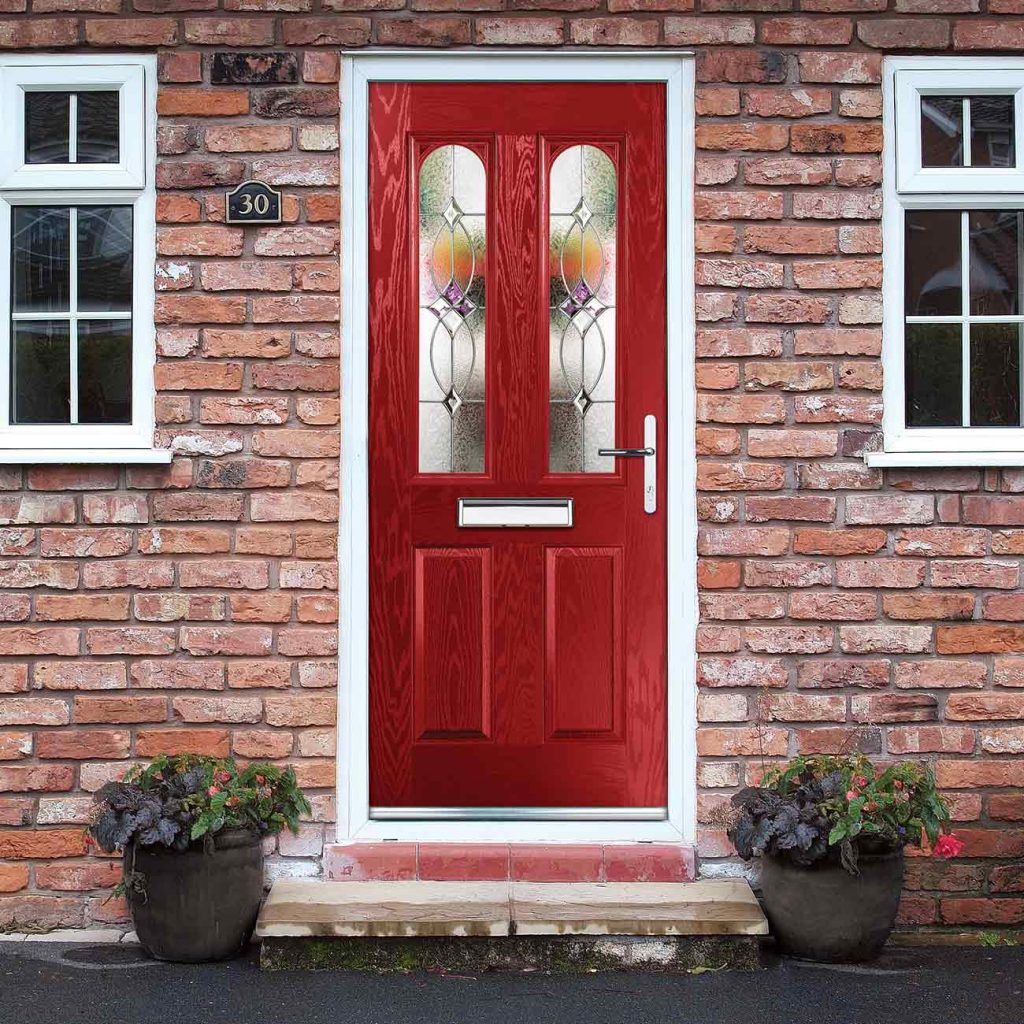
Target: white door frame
[{"x": 675, "y": 69}]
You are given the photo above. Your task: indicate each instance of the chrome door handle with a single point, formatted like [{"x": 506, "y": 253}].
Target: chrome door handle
[
  {"x": 649, "y": 455},
  {"x": 625, "y": 453}
]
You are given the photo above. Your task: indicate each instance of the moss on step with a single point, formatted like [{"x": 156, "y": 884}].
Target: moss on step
[{"x": 558, "y": 953}]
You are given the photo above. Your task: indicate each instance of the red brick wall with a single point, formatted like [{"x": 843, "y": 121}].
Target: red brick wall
[{"x": 194, "y": 607}]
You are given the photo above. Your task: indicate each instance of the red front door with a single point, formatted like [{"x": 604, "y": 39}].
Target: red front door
[{"x": 517, "y": 330}]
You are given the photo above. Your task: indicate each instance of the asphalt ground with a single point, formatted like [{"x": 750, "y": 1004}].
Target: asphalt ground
[{"x": 51, "y": 983}]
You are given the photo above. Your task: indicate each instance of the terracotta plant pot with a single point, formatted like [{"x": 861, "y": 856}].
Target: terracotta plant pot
[
  {"x": 197, "y": 905},
  {"x": 824, "y": 913}
]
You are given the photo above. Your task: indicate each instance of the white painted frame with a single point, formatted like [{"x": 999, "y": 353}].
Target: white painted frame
[
  {"x": 130, "y": 182},
  {"x": 675, "y": 70},
  {"x": 904, "y": 188}
]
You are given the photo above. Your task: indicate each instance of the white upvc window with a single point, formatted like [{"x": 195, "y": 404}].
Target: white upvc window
[
  {"x": 953, "y": 252},
  {"x": 77, "y": 223}
]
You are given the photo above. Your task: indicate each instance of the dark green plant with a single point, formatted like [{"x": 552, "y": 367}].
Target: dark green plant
[
  {"x": 178, "y": 800},
  {"x": 820, "y": 807}
]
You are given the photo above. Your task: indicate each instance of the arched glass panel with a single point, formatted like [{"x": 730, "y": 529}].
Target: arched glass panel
[
  {"x": 452, "y": 251},
  {"x": 583, "y": 193}
]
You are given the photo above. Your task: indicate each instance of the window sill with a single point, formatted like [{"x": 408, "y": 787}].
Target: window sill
[
  {"x": 83, "y": 456},
  {"x": 926, "y": 460}
]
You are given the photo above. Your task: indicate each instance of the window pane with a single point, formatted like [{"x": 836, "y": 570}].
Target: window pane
[
  {"x": 992, "y": 131},
  {"x": 933, "y": 375},
  {"x": 40, "y": 372},
  {"x": 47, "y": 128},
  {"x": 40, "y": 258},
  {"x": 98, "y": 129},
  {"x": 104, "y": 371},
  {"x": 994, "y": 238},
  {"x": 995, "y": 375},
  {"x": 942, "y": 131},
  {"x": 105, "y": 258},
  {"x": 932, "y": 285},
  {"x": 582, "y": 227},
  {"x": 452, "y": 267}
]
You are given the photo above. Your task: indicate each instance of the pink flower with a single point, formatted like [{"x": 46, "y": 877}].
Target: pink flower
[
  {"x": 213, "y": 791},
  {"x": 860, "y": 781},
  {"x": 851, "y": 794},
  {"x": 948, "y": 846}
]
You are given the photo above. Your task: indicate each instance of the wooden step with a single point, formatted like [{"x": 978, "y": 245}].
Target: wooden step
[{"x": 304, "y": 908}]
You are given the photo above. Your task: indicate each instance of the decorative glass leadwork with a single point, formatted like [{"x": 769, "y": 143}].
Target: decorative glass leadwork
[
  {"x": 453, "y": 203},
  {"x": 583, "y": 190}
]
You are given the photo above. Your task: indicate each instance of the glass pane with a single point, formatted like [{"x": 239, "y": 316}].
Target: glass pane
[
  {"x": 995, "y": 375},
  {"x": 104, "y": 371},
  {"x": 582, "y": 230},
  {"x": 40, "y": 258},
  {"x": 104, "y": 259},
  {"x": 995, "y": 275},
  {"x": 97, "y": 138},
  {"x": 40, "y": 372},
  {"x": 452, "y": 266},
  {"x": 47, "y": 130},
  {"x": 934, "y": 374},
  {"x": 932, "y": 285},
  {"x": 992, "y": 131},
  {"x": 942, "y": 131}
]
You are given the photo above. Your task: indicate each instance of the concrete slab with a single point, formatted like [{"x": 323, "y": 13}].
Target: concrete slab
[
  {"x": 304, "y": 907},
  {"x": 711, "y": 907}
]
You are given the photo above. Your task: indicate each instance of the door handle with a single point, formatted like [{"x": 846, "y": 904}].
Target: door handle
[
  {"x": 625, "y": 453},
  {"x": 650, "y": 456}
]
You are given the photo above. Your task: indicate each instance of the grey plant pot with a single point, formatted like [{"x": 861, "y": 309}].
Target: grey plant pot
[
  {"x": 196, "y": 905},
  {"x": 824, "y": 913}
]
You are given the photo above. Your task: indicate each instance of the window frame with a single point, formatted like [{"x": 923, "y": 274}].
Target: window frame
[
  {"x": 908, "y": 187},
  {"x": 130, "y": 182}
]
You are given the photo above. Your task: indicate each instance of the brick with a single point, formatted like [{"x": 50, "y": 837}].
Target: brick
[
  {"x": 78, "y": 877},
  {"x": 784, "y": 170},
  {"x": 785, "y": 240},
  {"x": 979, "y": 639},
  {"x": 45, "y": 843},
  {"x": 151, "y": 742},
  {"x": 735, "y": 137},
  {"x": 160, "y": 675},
  {"x": 229, "y": 31},
  {"x": 54, "y": 608},
  {"x": 200, "y": 102},
  {"x": 838, "y": 673},
  {"x": 1001, "y": 34},
  {"x": 1002, "y": 575},
  {"x": 741, "y": 64},
  {"x": 833, "y": 607},
  {"x": 928, "y": 606},
  {"x": 885, "y": 639},
  {"x": 984, "y": 706},
  {"x": 83, "y": 744},
  {"x": 797, "y": 31},
  {"x": 703, "y": 31},
  {"x": 842, "y": 68},
  {"x": 741, "y": 741}
]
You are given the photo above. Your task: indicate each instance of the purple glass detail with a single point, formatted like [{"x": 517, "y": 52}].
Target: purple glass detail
[
  {"x": 461, "y": 305},
  {"x": 575, "y": 302}
]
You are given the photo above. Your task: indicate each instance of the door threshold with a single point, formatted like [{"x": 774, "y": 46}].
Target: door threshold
[
  {"x": 518, "y": 813},
  {"x": 538, "y": 861}
]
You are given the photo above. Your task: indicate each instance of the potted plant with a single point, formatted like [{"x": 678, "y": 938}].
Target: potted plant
[
  {"x": 191, "y": 830},
  {"x": 830, "y": 832}
]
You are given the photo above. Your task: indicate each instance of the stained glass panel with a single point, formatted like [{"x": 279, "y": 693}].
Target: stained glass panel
[
  {"x": 583, "y": 191},
  {"x": 452, "y": 258}
]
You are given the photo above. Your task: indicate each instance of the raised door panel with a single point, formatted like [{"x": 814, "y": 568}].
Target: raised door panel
[
  {"x": 583, "y": 671},
  {"x": 452, "y": 661}
]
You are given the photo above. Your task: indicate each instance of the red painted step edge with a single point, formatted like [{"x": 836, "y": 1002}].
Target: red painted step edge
[{"x": 498, "y": 862}]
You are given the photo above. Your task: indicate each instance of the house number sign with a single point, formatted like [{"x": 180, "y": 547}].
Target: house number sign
[{"x": 253, "y": 202}]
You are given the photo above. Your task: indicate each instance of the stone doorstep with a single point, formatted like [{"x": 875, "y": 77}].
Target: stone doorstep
[
  {"x": 499, "y": 862},
  {"x": 306, "y": 908}
]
